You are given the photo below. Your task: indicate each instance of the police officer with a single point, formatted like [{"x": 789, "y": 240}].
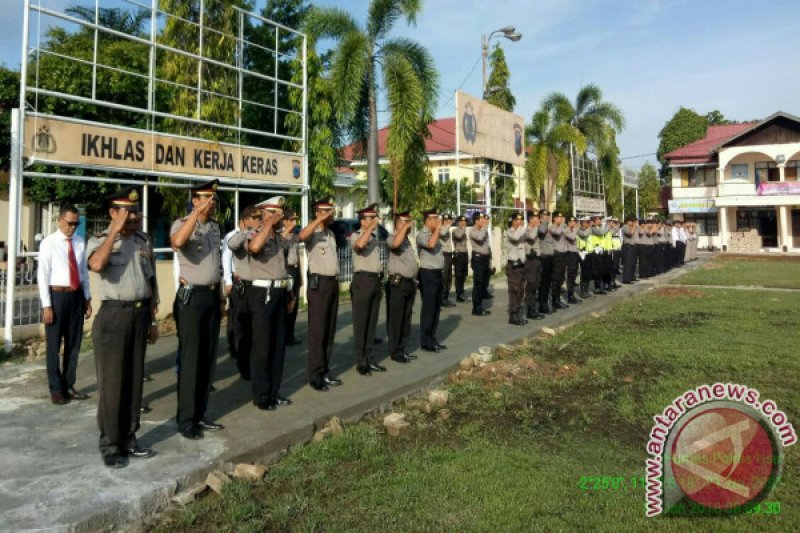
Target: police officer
[
  {"x": 571, "y": 238},
  {"x": 431, "y": 263},
  {"x": 585, "y": 255},
  {"x": 293, "y": 268},
  {"x": 236, "y": 272},
  {"x": 460, "y": 257},
  {"x": 196, "y": 239},
  {"x": 323, "y": 293},
  {"x": 123, "y": 257},
  {"x": 630, "y": 236},
  {"x": 546, "y": 257},
  {"x": 606, "y": 243},
  {"x": 556, "y": 233},
  {"x": 365, "y": 289},
  {"x": 268, "y": 301},
  {"x": 515, "y": 268},
  {"x": 446, "y": 239},
  {"x": 616, "y": 251},
  {"x": 641, "y": 250},
  {"x": 401, "y": 287},
  {"x": 649, "y": 247},
  {"x": 481, "y": 262},
  {"x": 533, "y": 266},
  {"x": 659, "y": 259},
  {"x": 598, "y": 251}
]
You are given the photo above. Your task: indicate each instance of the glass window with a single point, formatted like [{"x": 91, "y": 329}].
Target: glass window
[
  {"x": 707, "y": 224},
  {"x": 702, "y": 177},
  {"x": 791, "y": 170},
  {"x": 740, "y": 172},
  {"x": 443, "y": 175},
  {"x": 767, "y": 171}
]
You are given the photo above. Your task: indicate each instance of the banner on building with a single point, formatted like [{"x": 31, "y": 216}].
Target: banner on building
[
  {"x": 778, "y": 188},
  {"x": 584, "y": 204},
  {"x": 692, "y": 205},
  {"x": 63, "y": 142},
  {"x": 487, "y": 131}
]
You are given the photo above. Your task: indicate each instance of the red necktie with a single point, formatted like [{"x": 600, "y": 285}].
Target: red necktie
[{"x": 74, "y": 276}]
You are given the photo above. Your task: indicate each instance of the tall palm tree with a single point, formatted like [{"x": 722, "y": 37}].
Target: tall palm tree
[
  {"x": 362, "y": 55},
  {"x": 122, "y": 20},
  {"x": 547, "y": 167}
]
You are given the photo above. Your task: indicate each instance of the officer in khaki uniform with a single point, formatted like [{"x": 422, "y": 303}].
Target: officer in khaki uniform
[
  {"x": 240, "y": 335},
  {"x": 630, "y": 236},
  {"x": 481, "y": 262},
  {"x": 123, "y": 258},
  {"x": 431, "y": 263},
  {"x": 559, "y": 271},
  {"x": 446, "y": 238},
  {"x": 515, "y": 268},
  {"x": 573, "y": 259},
  {"x": 365, "y": 289},
  {"x": 401, "y": 287},
  {"x": 268, "y": 301},
  {"x": 460, "y": 257},
  {"x": 322, "y": 293},
  {"x": 533, "y": 266},
  {"x": 290, "y": 219},
  {"x": 546, "y": 258},
  {"x": 199, "y": 304}
]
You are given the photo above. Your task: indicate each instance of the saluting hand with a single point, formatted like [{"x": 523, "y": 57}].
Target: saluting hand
[{"x": 118, "y": 220}]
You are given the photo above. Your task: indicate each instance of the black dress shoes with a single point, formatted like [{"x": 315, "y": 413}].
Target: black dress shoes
[
  {"x": 488, "y": 296},
  {"x": 140, "y": 453},
  {"x": 280, "y": 401},
  {"x": 114, "y": 460},
  {"x": 402, "y": 358},
  {"x": 375, "y": 367},
  {"x": 58, "y": 398},
  {"x": 558, "y": 305},
  {"x": 293, "y": 342},
  {"x": 410, "y": 356},
  {"x": 145, "y": 408},
  {"x": 210, "y": 426},
  {"x": 461, "y": 299},
  {"x": 192, "y": 433},
  {"x": 333, "y": 382},
  {"x": 77, "y": 395},
  {"x": 448, "y": 303},
  {"x": 364, "y": 370},
  {"x": 480, "y": 312},
  {"x": 148, "y": 378},
  {"x": 434, "y": 348},
  {"x": 377, "y": 340},
  {"x": 440, "y": 346},
  {"x": 319, "y": 385},
  {"x": 265, "y": 405}
]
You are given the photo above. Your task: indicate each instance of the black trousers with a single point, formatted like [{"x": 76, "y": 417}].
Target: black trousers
[
  {"x": 291, "y": 318},
  {"x": 240, "y": 329},
  {"x": 365, "y": 291},
  {"x": 447, "y": 276},
  {"x": 399, "y": 306},
  {"x": 515, "y": 273},
  {"x": 430, "y": 287},
  {"x": 546, "y": 279},
  {"x": 461, "y": 264},
  {"x": 680, "y": 253},
  {"x": 616, "y": 259},
  {"x": 659, "y": 262},
  {"x": 650, "y": 252},
  {"x": 68, "y": 311},
  {"x": 643, "y": 260},
  {"x": 628, "y": 263},
  {"x": 533, "y": 271},
  {"x": 573, "y": 259},
  {"x": 607, "y": 266},
  {"x": 323, "y": 308},
  {"x": 198, "y": 332},
  {"x": 119, "y": 334},
  {"x": 480, "y": 280},
  {"x": 559, "y": 273},
  {"x": 587, "y": 270},
  {"x": 269, "y": 341}
]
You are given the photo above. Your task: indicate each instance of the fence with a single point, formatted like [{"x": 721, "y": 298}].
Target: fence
[
  {"x": 27, "y": 307},
  {"x": 345, "y": 257}
]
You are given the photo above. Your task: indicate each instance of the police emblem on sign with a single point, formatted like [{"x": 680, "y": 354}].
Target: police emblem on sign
[
  {"x": 43, "y": 141},
  {"x": 470, "y": 124}
]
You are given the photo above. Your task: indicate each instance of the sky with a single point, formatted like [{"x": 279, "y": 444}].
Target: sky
[{"x": 649, "y": 57}]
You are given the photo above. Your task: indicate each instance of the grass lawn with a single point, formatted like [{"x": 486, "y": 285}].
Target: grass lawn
[
  {"x": 762, "y": 271},
  {"x": 512, "y": 454}
]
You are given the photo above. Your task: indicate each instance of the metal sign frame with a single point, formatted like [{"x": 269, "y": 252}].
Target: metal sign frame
[
  {"x": 31, "y": 92},
  {"x": 587, "y": 182}
]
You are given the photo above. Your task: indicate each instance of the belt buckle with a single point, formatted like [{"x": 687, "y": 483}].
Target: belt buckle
[
  {"x": 138, "y": 305},
  {"x": 213, "y": 286}
]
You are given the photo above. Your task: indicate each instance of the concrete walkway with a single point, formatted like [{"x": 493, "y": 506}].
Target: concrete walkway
[{"x": 51, "y": 474}]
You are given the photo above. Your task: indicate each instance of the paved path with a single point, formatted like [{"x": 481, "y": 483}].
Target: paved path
[{"x": 51, "y": 475}]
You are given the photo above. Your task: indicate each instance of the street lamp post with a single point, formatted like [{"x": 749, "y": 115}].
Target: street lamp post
[{"x": 509, "y": 33}]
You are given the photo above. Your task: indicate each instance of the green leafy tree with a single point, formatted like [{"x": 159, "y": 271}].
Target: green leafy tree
[
  {"x": 685, "y": 126},
  {"x": 649, "y": 192},
  {"x": 9, "y": 99},
  {"x": 365, "y": 56},
  {"x": 497, "y": 90}
]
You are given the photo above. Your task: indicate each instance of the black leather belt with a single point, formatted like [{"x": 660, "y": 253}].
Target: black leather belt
[
  {"x": 124, "y": 304},
  {"x": 478, "y": 254},
  {"x": 532, "y": 255},
  {"x": 368, "y": 274},
  {"x": 329, "y": 278},
  {"x": 211, "y": 287}
]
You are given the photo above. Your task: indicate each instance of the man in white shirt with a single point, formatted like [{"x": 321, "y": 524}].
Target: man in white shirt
[{"x": 63, "y": 279}]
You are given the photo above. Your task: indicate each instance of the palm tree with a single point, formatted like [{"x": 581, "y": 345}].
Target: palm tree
[
  {"x": 547, "y": 167},
  {"x": 408, "y": 76},
  {"x": 122, "y": 20}
]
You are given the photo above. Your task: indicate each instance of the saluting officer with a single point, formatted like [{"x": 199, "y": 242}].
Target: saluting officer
[
  {"x": 431, "y": 262},
  {"x": 401, "y": 287},
  {"x": 323, "y": 293},
  {"x": 199, "y": 304},
  {"x": 596, "y": 250},
  {"x": 533, "y": 266},
  {"x": 289, "y": 235},
  {"x": 515, "y": 268},
  {"x": 446, "y": 239},
  {"x": 235, "y": 272},
  {"x": 546, "y": 244},
  {"x": 616, "y": 251},
  {"x": 571, "y": 236},
  {"x": 124, "y": 259},
  {"x": 556, "y": 232},
  {"x": 460, "y": 257},
  {"x": 365, "y": 289},
  {"x": 481, "y": 262},
  {"x": 630, "y": 236},
  {"x": 268, "y": 300}
]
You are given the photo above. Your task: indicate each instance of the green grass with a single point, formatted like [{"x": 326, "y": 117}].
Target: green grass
[
  {"x": 781, "y": 273},
  {"x": 511, "y": 455}
]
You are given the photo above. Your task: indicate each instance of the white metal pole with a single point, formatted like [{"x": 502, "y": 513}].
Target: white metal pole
[
  {"x": 145, "y": 205},
  {"x": 304, "y": 200},
  {"x": 15, "y": 180},
  {"x": 458, "y": 161},
  {"x": 236, "y": 208}
]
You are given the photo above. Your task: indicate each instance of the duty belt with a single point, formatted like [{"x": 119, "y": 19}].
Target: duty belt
[
  {"x": 211, "y": 287},
  {"x": 273, "y": 283},
  {"x": 136, "y": 304},
  {"x": 365, "y": 273}
]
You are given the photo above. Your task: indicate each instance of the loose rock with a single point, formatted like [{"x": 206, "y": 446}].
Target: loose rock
[
  {"x": 438, "y": 398},
  {"x": 467, "y": 363},
  {"x": 395, "y": 424},
  {"x": 216, "y": 480},
  {"x": 252, "y": 473},
  {"x": 322, "y": 434},
  {"x": 548, "y": 332},
  {"x": 336, "y": 425},
  {"x": 188, "y": 496}
]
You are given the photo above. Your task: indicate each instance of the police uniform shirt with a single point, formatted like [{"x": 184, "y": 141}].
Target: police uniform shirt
[
  {"x": 129, "y": 274},
  {"x": 557, "y": 234},
  {"x": 571, "y": 239},
  {"x": 368, "y": 259},
  {"x": 322, "y": 258},
  {"x": 479, "y": 238},
  {"x": 292, "y": 251},
  {"x": 446, "y": 239},
  {"x": 402, "y": 260},
  {"x": 459, "y": 237},
  {"x": 270, "y": 262},
  {"x": 629, "y": 236},
  {"x": 545, "y": 239},
  {"x": 531, "y": 240},
  {"x": 429, "y": 257},
  {"x": 515, "y": 244},
  {"x": 237, "y": 244},
  {"x": 199, "y": 258}
]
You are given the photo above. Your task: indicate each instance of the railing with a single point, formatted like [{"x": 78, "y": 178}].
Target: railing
[
  {"x": 345, "y": 256},
  {"x": 27, "y": 307}
]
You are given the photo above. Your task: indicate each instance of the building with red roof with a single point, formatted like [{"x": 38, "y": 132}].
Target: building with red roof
[{"x": 739, "y": 185}]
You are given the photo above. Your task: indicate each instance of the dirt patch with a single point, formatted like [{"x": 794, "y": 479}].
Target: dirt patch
[{"x": 678, "y": 292}]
